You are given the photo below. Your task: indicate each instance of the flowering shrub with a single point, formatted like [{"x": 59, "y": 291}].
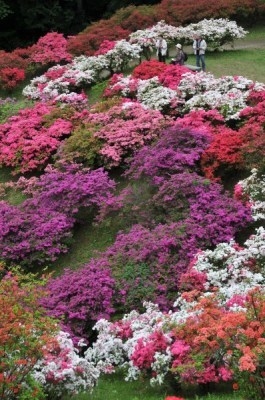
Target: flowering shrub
[
  {"x": 149, "y": 69},
  {"x": 62, "y": 371},
  {"x": 105, "y": 46},
  {"x": 10, "y": 77},
  {"x": 51, "y": 48},
  {"x": 222, "y": 154},
  {"x": 209, "y": 338},
  {"x": 252, "y": 190},
  {"x": 175, "y": 151},
  {"x": 80, "y": 298},
  {"x": 89, "y": 41},
  {"x": 26, "y": 143},
  {"x": 113, "y": 135},
  {"x": 172, "y": 76},
  {"x": 25, "y": 331},
  {"x": 39, "y": 229},
  {"x": 182, "y": 12}
]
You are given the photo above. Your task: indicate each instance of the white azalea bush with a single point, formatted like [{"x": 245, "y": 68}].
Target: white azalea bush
[
  {"x": 252, "y": 189},
  {"x": 216, "y": 32},
  {"x": 151, "y": 94},
  {"x": 63, "y": 371}
]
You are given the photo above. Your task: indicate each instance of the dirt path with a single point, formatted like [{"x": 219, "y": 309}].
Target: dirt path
[{"x": 238, "y": 45}]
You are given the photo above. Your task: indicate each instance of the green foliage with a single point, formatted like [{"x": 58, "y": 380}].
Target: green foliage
[
  {"x": 11, "y": 108},
  {"x": 82, "y": 145},
  {"x": 4, "y": 9}
]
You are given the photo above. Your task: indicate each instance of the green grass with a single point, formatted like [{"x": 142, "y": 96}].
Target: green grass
[
  {"x": 254, "y": 33},
  {"x": 246, "y": 62},
  {"x": 115, "y": 388}
]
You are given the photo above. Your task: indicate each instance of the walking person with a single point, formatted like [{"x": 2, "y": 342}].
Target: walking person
[
  {"x": 199, "y": 47},
  {"x": 161, "y": 46},
  {"x": 180, "y": 56}
]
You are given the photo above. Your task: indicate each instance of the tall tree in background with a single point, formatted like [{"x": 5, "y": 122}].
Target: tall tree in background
[{"x": 24, "y": 21}]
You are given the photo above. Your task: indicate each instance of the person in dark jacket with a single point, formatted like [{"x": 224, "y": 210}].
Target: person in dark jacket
[{"x": 179, "y": 59}]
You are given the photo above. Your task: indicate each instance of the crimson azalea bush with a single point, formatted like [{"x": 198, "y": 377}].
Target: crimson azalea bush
[
  {"x": 241, "y": 149},
  {"x": 10, "y": 77},
  {"x": 89, "y": 41},
  {"x": 149, "y": 69},
  {"x": 27, "y": 141},
  {"x": 183, "y": 12}
]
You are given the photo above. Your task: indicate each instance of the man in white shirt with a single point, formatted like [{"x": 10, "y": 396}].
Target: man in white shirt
[
  {"x": 199, "y": 47},
  {"x": 161, "y": 46}
]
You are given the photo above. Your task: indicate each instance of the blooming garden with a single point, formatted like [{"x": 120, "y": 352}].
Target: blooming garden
[{"x": 179, "y": 293}]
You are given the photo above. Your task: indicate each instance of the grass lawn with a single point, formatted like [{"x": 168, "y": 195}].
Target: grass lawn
[
  {"x": 115, "y": 388},
  {"x": 246, "y": 62}
]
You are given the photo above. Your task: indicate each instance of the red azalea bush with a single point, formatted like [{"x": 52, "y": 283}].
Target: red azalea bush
[
  {"x": 89, "y": 41},
  {"x": 223, "y": 154},
  {"x": 186, "y": 11},
  {"x": 51, "y": 48},
  {"x": 149, "y": 69},
  {"x": 27, "y": 141},
  {"x": 10, "y": 77}
]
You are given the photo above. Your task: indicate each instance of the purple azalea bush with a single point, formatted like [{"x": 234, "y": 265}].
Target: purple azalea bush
[
  {"x": 39, "y": 229},
  {"x": 176, "y": 150},
  {"x": 80, "y": 298}
]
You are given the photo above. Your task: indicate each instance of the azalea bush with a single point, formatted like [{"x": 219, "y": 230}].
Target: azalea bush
[
  {"x": 27, "y": 142},
  {"x": 251, "y": 190},
  {"x": 62, "y": 371},
  {"x": 25, "y": 332},
  {"x": 10, "y": 77},
  {"x": 80, "y": 298},
  {"x": 39, "y": 229},
  {"x": 207, "y": 338},
  {"x": 50, "y": 49},
  {"x": 149, "y": 69},
  {"x": 113, "y": 135}
]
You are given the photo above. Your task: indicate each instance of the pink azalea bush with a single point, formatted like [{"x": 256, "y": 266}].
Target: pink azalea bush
[
  {"x": 105, "y": 46},
  {"x": 172, "y": 75},
  {"x": 119, "y": 132},
  {"x": 51, "y": 48},
  {"x": 27, "y": 142}
]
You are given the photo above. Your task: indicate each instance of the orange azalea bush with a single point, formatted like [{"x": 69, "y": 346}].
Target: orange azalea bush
[{"x": 24, "y": 331}]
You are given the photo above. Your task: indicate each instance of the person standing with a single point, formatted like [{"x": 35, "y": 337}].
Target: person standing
[
  {"x": 180, "y": 57},
  {"x": 199, "y": 47},
  {"x": 161, "y": 46}
]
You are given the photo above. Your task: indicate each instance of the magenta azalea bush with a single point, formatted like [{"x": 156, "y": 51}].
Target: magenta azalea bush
[
  {"x": 80, "y": 298},
  {"x": 39, "y": 229}
]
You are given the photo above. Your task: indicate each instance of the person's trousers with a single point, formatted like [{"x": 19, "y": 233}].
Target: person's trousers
[
  {"x": 161, "y": 58},
  {"x": 200, "y": 61}
]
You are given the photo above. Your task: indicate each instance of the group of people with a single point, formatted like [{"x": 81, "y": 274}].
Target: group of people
[{"x": 199, "y": 47}]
